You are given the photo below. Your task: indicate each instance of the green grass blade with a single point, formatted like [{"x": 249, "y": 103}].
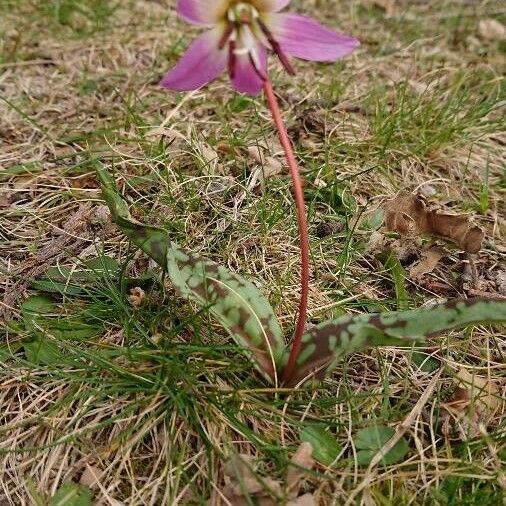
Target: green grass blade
[{"x": 327, "y": 343}]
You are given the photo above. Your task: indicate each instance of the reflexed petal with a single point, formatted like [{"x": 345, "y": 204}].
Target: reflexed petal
[
  {"x": 201, "y": 63},
  {"x": 202, "y": 12},
  {"x": 305, "y": 38},
  {"x": 270, "y": 5},
  {"x": 246, "y": 78}
]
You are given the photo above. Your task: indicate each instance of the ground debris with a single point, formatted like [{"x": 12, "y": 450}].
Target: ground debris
[
  {"x": 500, "y": 281},
  {"x": 388, "y": 6},
  {"x": 491, "y": 29},
  {"x": 301, "y": 461},
  {"x": 409, "y": 215},
  {"x": 474, "y": 403},
  {"x": 91, "y": 476},
  {"x": 71, "y": 237},
  {"x": 137, "y": 296},
  {"x": 430, "y": 257},
  {"x": 266, "y": 166},
  {"x": 243, "y": 484}
]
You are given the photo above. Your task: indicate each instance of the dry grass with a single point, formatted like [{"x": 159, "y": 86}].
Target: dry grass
[{"x": 158, "y": 400}]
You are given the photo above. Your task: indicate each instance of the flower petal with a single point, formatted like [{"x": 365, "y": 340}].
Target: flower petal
[
  {"x": 305, "y": 38},
  {"x": 246, "y": 78},
  {"x": 270, "y": 5},
  {"x": 201, "y": 63},
  {"x": 202, "y": 12}
]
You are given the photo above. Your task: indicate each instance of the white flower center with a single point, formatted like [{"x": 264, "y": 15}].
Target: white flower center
[{"x": 244, "y": 30}]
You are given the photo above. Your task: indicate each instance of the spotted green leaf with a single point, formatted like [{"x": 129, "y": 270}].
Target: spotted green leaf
[
  {"x": 236, "y": 303},
  {"x": 326, "y": 344}
]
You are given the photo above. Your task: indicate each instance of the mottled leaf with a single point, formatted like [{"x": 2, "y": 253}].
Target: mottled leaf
[
  {"x": 152, "y": 240},
  {"x": 324, "y": 345},
  {"x": 236, "y": 303},
  {"x": 39, "y": 317},
  {"x": 7, "y": 351},
  {"x": 37, "y": 305},
  {"x": 72, "y": 281},
  {"x": 370, "y": 440}
]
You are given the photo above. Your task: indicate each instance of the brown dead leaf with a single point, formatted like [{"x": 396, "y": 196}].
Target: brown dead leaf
[
  {"x": 474, "y": 403},
  {"x": 483, "y": 391},
  {"x": 4, "y": 201},
  {"x": 303, "y": 500},
  {"x": 210, "y": 158},
  {"x": 255, "y": 152},
  {"x": 243, "y": 483},
  {"x": 491, "y": 29},
  {"x": 302, "y": 461},
  {"x": 91, "y": 476},
  {"x": 460, "y": 400},
  {"x": 376, "y": 243},
  {"x": 137, "y": 296},
  {"x": 428, "y": 262},
  {"x": 171, "y": 134},
  {"x": 267, "y": 167},
  {"x": 407, "y": 214},
  {"x": 225, "y": 148}
]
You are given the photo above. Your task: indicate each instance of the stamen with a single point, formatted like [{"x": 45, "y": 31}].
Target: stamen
[
  {"x": 226, "y": 35},
  {"x": 276, "y": 47},
  {"x": 232, "y": 58}
]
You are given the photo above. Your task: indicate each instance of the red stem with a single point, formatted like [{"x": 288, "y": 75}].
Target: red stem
[{"x": 303, "y": 232}]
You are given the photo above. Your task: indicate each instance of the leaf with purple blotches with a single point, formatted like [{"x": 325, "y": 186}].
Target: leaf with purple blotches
[{"x": 326, "y": 344}]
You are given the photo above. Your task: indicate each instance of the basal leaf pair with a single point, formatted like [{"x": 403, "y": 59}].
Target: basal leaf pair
[{"x": 248, "y": 317}]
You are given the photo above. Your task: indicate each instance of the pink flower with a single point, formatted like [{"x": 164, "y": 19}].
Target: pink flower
[{"x": 238, "y": 38}]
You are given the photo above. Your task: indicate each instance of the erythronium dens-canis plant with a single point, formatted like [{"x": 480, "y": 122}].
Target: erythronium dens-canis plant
[
  {"x": 238, "y": 37},
  {"x": 248, "y": 317}
]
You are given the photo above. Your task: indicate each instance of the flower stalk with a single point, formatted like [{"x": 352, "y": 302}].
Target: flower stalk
[{"x": 302, "y": 224}]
